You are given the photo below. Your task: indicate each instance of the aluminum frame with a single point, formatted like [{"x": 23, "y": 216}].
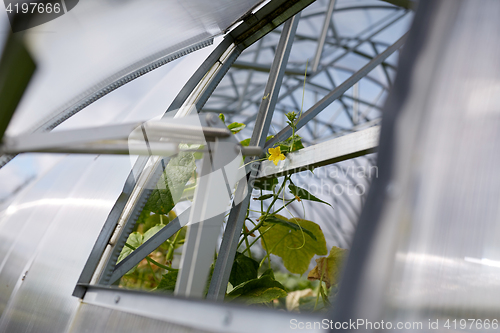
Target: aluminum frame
[
  {"x": 251, "y": 30},
  {"x": 196, "y": 90}
]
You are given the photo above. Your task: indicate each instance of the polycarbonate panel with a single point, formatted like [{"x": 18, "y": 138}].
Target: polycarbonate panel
[
  {"x": 47, "y": 234},
  {"x": 99, "y": 42},
  {"x": 449, "y": 257},
  {"x": 140, "y": 100},
  {"x": 49, "y": 227},
  {"x": 143, "y": 99},
  {"x": 436, "y": 256}
]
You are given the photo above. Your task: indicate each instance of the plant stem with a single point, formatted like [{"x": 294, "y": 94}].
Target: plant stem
[
  {"x": 303, "y": 91},
  {"x": 153, "y": 261},
  {"x": 261, "y": 222},
  {"x": 292, "y": 124},
  {"x": 326, "y": 302},
  {"x": 319, "y": 291},
  {"x": 152, "y": 271},
  {"x": 249, "y": 219},
  {"x": 289, "y": 202},
  {"x": 260, "y": 235},
  {"x": 170, "y": 253},
  {"x": 261, "y": 203},
  {"x": 268, "y": 255},
  {"x": 276, "y": 197},
  {"x": 246, "y": 241}
]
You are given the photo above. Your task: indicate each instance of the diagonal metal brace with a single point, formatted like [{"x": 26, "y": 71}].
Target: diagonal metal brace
[
  {"x": 237, "y": 215},
  {"x": 151, "y": 244},
  {"x": 337, "y": 92}
]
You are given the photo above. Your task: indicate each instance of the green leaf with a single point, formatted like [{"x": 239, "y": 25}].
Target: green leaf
[
  {"x": 268, "y": 272},
  {"x": 244, "y": 269},
  {"x": 293, "y": 282},
  {"x": 152, "y": 231},
  {"x": 297, "y": 144},
  {"x": 151, "y": 221},
  {"x": 261, "y": 290},
  {"x": 245, "y": 143},
  {"x": 168, "y": 281},
  {"x": 172, "y": 183},
  {"x": 328, "y": 268},
  {"x": 267, "y": 184},
  {"x": 222, "y": 117},
  {"x": 307, "y": 304},
  {"x": 304, "y": 194},
  {"x": 198, "y": 155},
  {"x": 264, "y": 295},
  {"x": 285, "y": 146},
  {"x": 134, "y": 240},
  {"x": 294, "y": 226},
  {"x": 236, "y": 127},
  {"x": 264, "y": 197},
  {"x": 295, "y": 247}
]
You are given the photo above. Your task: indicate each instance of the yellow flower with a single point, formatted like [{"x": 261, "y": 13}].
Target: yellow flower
[{"x": 276, "y": 155}]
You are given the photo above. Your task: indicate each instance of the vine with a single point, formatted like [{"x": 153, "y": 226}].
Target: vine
[{"x": 295, "y": 240}]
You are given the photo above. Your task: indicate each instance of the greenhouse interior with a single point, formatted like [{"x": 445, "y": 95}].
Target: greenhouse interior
[{"x": 249, "y": 166}]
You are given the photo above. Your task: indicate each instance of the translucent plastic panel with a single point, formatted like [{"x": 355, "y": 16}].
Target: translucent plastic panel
[
  {"x": 435, "y": 260},
  {"x": 98, "y": 43},
  {"x": 448, "y": 257}
]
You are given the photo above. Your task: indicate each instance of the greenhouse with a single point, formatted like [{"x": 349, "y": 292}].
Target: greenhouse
[{"x": 249, "y": 166}]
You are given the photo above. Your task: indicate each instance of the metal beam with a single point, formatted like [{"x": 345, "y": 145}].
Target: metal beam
[
  {"x": 345, "y": 53},
  {"x": 253, "y": 28},
  {"x": 207, "y": 213},
  {"x": 333, "y": 151},
  {"x": 249, "y": 76},
  {"x": 193, "y": 315},
  {"x": 322, "y": 36},
  {"x": 214, "y": 82},
  {"x": 227, "y": 251},
  {"x": 337, "y": 92},
  {"x": 319, "y": 12},
  {"x": 384, "y": 67},
  {"x": 257, "y": 89},
  {"x": 115, "y": 139},
  {"x": 199, "y": 74},
  {"x": 108, "y": 228},
  {"x": 355, "y": 104},
  {"x": 151, "y": 244},
  {"x": 125, "y": 221},
  {"x": 274, "y": 13},
  {"x": 264, "y": 68}
]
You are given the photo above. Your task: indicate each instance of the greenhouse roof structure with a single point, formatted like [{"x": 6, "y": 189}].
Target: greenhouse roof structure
[{"x": 242, "y": 166}]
